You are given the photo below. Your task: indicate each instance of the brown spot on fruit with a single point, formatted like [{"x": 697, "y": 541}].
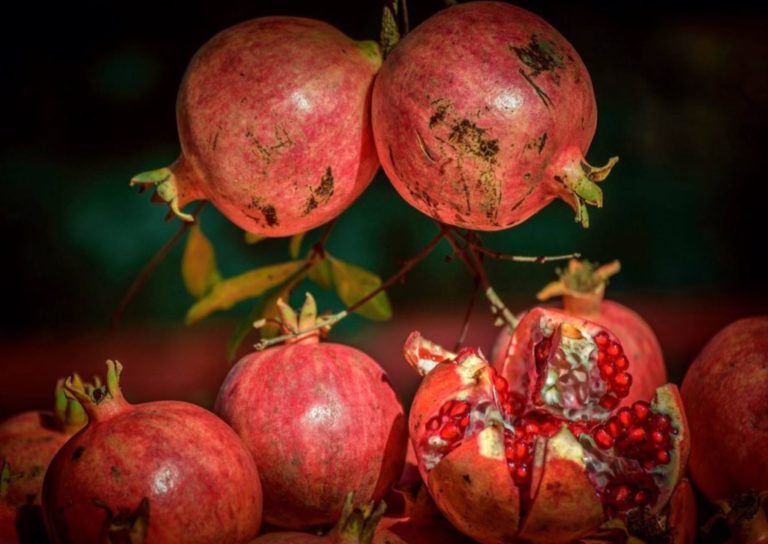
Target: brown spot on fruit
[{"x": 322, "y": 194}]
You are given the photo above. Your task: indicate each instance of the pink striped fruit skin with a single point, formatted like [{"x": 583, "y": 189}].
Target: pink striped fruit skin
[
  {"x": 201, "y": 482},
  {"x": 482, "y": 116},
  {"x": 321, "y": 420},
  {"x": 274, "y": 123}
]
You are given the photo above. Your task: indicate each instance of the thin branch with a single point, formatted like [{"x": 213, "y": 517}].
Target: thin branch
[
  {"x": 149, "y": 269},
  {"x": 326, "y": 321},
  {"x": 474, "y": 240},
  {"x": 475, "y": 266},
  {"x": 319, "y": 247},
  {"x": 406, "y": 19},
  {"x": 468, "y": 314}
]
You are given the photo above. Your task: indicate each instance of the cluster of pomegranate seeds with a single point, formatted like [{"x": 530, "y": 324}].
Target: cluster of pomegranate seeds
[
  {"x": 631, "y": 491},
  {"x": 450, "y": 423},
  {"x": 637, "y": 433},
  {"x": 613, "y": 366},
  {"x": 511, "y": 403},
  {"x": 519, "y": 447}
]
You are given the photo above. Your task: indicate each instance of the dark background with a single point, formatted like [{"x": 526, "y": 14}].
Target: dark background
[{"x": 88, "y": 94}]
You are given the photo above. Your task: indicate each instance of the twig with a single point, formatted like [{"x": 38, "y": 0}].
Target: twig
[
  {"x": 149, "y": 269},
  {"x": 326, "y": 321},
  {"x": 475, "y": 266},
  {"x": 474, "y": 240},
  {"x": 470, "y": 307},
  {"x": 319, "y": 247},
  {"x": 406, "y": 20}
]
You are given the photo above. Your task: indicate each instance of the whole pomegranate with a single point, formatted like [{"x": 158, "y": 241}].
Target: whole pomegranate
[
  {"x": 273, "y": 119},
  {"x": 557, "y": 461},
  {"x": 165, "y": 471},
  {"x": 582, "y": 286},
  {"x": 356, "y": 525},
  {"x": 726, "y": 399},
  {"x": 28, "y": 442},
  {"x": 321, "y": 420},
  {"x": 482, "y": 116}
]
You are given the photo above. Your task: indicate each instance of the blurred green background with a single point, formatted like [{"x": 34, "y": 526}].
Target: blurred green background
[{"x": 89, "y": 91}]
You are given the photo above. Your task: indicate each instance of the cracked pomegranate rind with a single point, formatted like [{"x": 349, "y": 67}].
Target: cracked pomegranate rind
[{"x": 569, "y": 461}]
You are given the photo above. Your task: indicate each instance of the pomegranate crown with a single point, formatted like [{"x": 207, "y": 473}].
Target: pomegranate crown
[
  {"x": 358, "y": 524},
  {"x": 580, "y": 277},
  {"x": 69, "y": 413},
  {"x": 97, "y": 399}
]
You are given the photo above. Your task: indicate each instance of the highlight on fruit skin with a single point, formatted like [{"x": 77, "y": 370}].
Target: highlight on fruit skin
[
  {"x": 556, "y": 460},
  {"x": 273, "y": 117},
  {"x": 482, "y": 116},
  {"x": 150, "y": 472}
]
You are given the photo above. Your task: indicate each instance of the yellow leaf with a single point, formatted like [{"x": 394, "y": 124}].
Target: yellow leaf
[
  {"x": 251, "y": 238},
  {"x": 253, "y": 283},
  {"x": 354, "y": 283},
  {"x": 295, "y": 245},
  {"x": 198, "y": 265}
]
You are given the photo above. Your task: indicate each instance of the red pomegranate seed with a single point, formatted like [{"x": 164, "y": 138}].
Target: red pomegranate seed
[
  {"x": 613, "y": 350},
  {"x": 603, "y": 438},
  {"x": 622, "y": 380},
  {"x": 532, "y": 428},
  {"x": 601, "y": 357},
  {"x": 662, "y": 422},
  {"x": 658, "y": 438},
  {"x": 609, "y": 402},
  {"x": 622, "y": 494},
  {"x": 640, "y": 498},
  {"x": 501, "y": 384},
  {"x": 637, "y": 434},
  {"x": 459, "y": 409},
  {"x": 446, "y": 407},
  {"x": 614, "y": 429},
  {"x": 521, "y": 474},
  {"x": 641, "y": 409},
  {"x": 648, "y": 465},
  {"x": 433, "y": 424},
  {"x": 521, "y": 450},
  {"x": 625, "y": 417},
  {"x": 607, "y": 370},
  {"x": 662, "y": 457},
  {"x": 601, "y": 339},
  {"x": 509, "y": 452},
  {"x": 450, "y": 432},
  {"x": 464, "y": 422},
  {"x": 621, "y": 363}
]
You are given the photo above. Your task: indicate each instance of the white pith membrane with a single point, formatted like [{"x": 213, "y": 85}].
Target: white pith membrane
[{"x": 571, "y": 391}]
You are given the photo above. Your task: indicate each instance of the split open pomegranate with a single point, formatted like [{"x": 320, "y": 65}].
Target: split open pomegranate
[{"x": 547, "y": 454}]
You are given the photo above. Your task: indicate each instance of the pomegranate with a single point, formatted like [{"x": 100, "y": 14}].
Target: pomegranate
[
  {"x": 725, "y": 397},
  {"x": 165, "y": 471},
  {"x": 557, "y": 460},
  {"x": 582, "y": 286},
  {"x": 273, "y": 119},
  {"x": 321, "y": 419},
  {"x": 28, "y": 442},
  {"x": 355, "y": 526},
  {"x": 482, "y": 116}
]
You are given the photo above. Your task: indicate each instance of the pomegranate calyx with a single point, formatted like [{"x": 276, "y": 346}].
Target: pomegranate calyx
[
  {"x": 99, "y": 401},
  {"x": 302, "y": 327},
  {"x": 166, "y": 189},
  {"x": 578, "y": 183},
  {"x": 68, "y": 412},
  {"x": 358, "y": 524},
  {"x": 371, "y": 50}
]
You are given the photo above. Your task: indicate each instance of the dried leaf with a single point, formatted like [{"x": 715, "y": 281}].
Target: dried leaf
[
  {"x": 354, "y": 283},
  {"x": 198, "y": 265},
  {"x": 250, "y": 284}
]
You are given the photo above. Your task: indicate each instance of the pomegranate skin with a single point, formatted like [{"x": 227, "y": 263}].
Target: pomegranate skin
[
  {"x": 201, "y": 484},
  {"x": 725, "y": 396},
  {"x": 273, "y": 117},
  {"x": 322, "y": 420},
  {"x": 482, "y": 116}
]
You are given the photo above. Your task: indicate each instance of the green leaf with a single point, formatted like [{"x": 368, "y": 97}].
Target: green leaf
[
  {"x": 320, "y": 273},
  {"x": 244, "y": 327},
  {"x": 295, "y": 245},
  {"x": 250, "y": 284},
  {"x": 353, "y": 283},
  {"x": 198, "y": 265},
  {"x": 390, "y": 34},
  {"x": 251, "y": 238}
]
